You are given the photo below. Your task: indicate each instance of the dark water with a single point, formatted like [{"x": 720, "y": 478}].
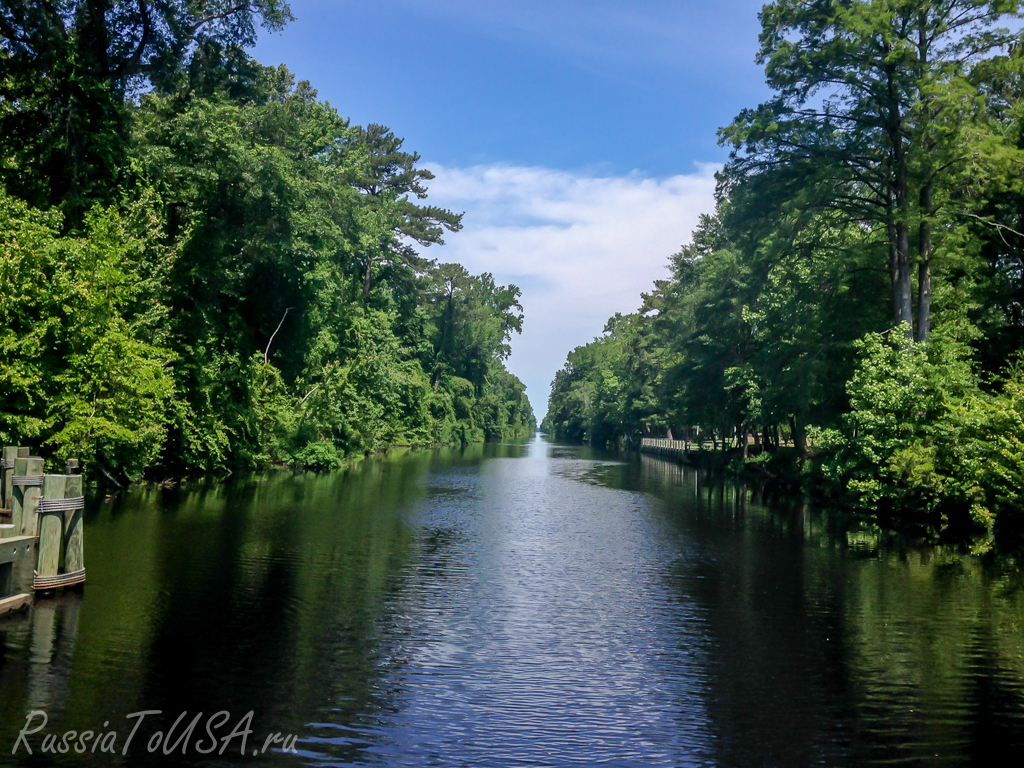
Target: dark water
[{"x": 523, "y": 604}]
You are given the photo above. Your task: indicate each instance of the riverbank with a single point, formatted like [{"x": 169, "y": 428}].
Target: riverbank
[
  {"x": 785, "y": 471},
  {"x": 328, "y": 461}
]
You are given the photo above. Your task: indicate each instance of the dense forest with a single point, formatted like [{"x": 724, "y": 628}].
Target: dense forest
[
  {"x": 204, "y": 266},
  {"x": 851, "y": 314}
]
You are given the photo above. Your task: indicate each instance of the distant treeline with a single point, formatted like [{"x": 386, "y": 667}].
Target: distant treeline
[
  {"x": 203, "y": 266},
  {"x": 858, "y": 290}
]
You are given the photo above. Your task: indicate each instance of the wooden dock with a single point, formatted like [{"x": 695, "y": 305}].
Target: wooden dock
[
  {"x": 14, "y": 603},
  {"x": 677, "y": 449},
  {"x": 41, "y": 530}
]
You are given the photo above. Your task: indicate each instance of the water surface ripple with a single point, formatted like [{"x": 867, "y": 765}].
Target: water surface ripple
[{"x": 523, "y": 604}]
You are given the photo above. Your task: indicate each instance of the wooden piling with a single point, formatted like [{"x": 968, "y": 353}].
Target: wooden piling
[
  {"x": 10, "y": 453},
  {"x": 7, "y": 458},
  {"x": 28, "y": 483},
  {"x": 51, "y": 528},
  {"x": 60, "y": 533},
  {"x": 46, "y": 515},
  {"x": 74, "y": 531}
]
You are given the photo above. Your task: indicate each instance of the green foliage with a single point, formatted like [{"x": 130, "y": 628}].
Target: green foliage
[
  {"x": 111, "y": 402},
  {"x": 903, "y": 432},
  {"x": 924, "y": 441},
  {"x": 66, "y": 68},
  {"x": 233, "y": 290},
  {"x": 319, "y": 456},
  {"x": 83, "y": 374},
  {"x": 268, "y": 414},
  {"x": 859, "y": 290},
  {"x": 1001, "y": 469},
  {"x": 605, "y": 391}
]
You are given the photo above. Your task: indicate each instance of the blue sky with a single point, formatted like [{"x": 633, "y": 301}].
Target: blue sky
[{"x": 578, "y": 137}]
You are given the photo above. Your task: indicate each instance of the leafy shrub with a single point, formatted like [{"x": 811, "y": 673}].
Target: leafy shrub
[
  {"x": 319, "y": 456},
  {"x": 899, "y": 449}
]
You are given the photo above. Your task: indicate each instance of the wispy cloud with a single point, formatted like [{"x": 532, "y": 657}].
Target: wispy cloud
[{"x": 581, "y": 247}]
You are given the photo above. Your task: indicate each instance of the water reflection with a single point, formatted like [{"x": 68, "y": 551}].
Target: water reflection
[
  {"x": 847, "y": 647},
  {"x": 524, "y": 603},
  {"x": 52, "y": 649}
]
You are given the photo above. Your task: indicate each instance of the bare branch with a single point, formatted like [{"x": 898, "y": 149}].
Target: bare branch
[
  {"x": 231, "y": 10},
  {"x": 995, "y": 224},
  {"x": 131, "y": 66},
  {"x": 266, "y": 352}
]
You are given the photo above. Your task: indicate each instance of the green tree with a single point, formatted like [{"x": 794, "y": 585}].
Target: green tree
[
  {"x": 390, "y": 178},
  {"x": 66, "y": 67},
  {"x": 81, "y": 372},
  {"x": 864, "y": 90}
]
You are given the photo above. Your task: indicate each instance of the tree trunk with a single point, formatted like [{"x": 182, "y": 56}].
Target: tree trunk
[
  {"x": 366, "y": 280},
  {"x": 799, "y": 435},
  {"x": 906, "y": 311},
  {"x": 903, "y": 309},
  {"x": 894, "y": 263},
  {"x": 924, "y": 266},
  {"x": 899, "y": 255}
]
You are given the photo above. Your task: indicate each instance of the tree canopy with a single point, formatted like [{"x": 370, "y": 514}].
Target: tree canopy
[
  {"x": 850, "y": 315},
  {"x": 212, "y": 269}
]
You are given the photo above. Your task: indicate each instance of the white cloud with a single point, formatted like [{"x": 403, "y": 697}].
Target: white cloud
[{"x": 580, "y": 247}]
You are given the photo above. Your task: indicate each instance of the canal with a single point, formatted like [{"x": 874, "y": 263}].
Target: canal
[{"x": 511, "y": 604}]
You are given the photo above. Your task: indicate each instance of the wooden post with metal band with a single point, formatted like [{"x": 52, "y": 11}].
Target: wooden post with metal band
[
  {"x": 10, "y": 453},
  {"x": 7, "y": 458},
  {"x": 62, "y": 503},
  {"x": 74, "y": 530},
  {"x": 28, "y": 487},
  {"x": 14, "y": 547},
  {"x": 51, "y": 529}
]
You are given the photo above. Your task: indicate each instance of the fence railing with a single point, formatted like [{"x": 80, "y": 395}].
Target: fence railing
[{"x": 671, "y": 445}]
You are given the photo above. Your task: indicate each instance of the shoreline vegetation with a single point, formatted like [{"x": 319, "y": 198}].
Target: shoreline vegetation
[
  {"x": 205, "y": 268},
  {"x": 859, "y": 290}
]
